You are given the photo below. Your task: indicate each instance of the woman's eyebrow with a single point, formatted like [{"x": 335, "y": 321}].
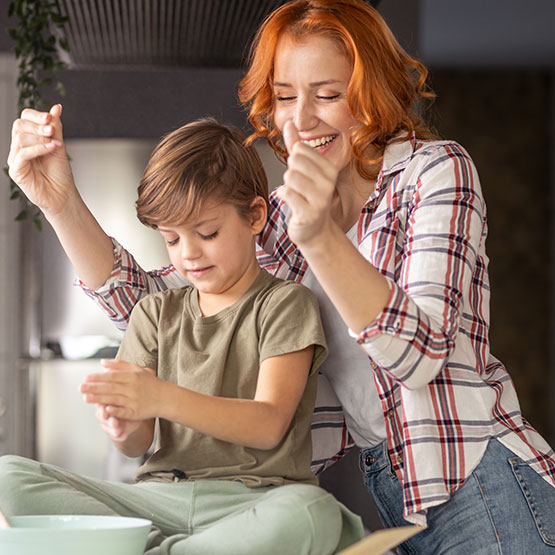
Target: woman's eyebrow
[{"x": 312, "y": 85}]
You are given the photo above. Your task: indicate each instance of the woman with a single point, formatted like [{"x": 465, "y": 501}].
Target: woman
[{"x": 388, "y": 228}]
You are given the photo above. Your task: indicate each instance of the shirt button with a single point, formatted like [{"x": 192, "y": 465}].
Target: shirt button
[
  {"x": 369, "y": 460},
  {"x": 373, "y": 365},
  {"x": 390, "y": 413},
  {"x": 395, "y": 327},
  {"x": 400, "y": 459}
]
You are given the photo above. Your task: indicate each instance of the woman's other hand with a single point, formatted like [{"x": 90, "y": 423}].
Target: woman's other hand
[
  {"x": 38, "y": 161},
  {"x": 38, "y": 164},
  {"x": 309, "y": 185}
]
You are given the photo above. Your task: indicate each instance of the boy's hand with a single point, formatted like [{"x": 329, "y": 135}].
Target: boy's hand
[
  {"x": 127, "y": 391},
  {"x": 116, "y": 428}
]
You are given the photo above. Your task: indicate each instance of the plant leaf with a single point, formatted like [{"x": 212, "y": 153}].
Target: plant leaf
[
  {"x": 60, "y": 89},
  {"x": 36, "y": 52},
  {"x": 21, "y": 216}
]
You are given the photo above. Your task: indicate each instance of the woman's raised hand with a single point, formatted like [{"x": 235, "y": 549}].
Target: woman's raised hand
[
  {"x": 38, "y": 161},
  {"x": 309, "y": 186}
]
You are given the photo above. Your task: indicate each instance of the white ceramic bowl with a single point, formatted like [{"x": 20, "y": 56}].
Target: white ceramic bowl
[{"x": 74, "y": 535}]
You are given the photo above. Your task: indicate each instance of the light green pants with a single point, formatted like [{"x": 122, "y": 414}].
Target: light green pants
[{"x": 205, "y": 517}]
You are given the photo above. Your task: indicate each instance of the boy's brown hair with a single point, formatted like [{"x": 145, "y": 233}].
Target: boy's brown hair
[{"x": 203, "y": 160}]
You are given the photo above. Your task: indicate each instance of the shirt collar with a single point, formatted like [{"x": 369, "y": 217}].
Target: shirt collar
[{"x": 397, "y": 155}]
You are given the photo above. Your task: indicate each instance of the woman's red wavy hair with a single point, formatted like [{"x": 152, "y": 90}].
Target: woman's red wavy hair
[{"x": 386, "y": 86}]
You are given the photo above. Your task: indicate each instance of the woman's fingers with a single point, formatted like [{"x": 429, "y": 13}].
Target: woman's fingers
[
  {"x": 296, "y": 182},
  {"x": 300, "y": 151},
  {"x": 303, "y": 162},
  {"x": 305, "y": 175},
  {"x": 304, "y": 154},
  {"x": 299, "y": 205},
  {"x": 309, "y": 183},
  {"x": 290, "y": 135}
]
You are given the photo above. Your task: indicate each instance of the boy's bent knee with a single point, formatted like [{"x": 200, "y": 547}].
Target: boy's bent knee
[
  {"x": 14, "y": 474},
  {"x": 312, "y": 513},
  {"x": 326, "y": 522},
  {"x": 11, "y": 465}
]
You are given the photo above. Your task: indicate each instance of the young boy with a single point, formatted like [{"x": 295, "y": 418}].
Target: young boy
[{"x": 226, "y": 366}]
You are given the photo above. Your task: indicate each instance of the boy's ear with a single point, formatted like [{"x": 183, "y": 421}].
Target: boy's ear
[{"x": 259, "y": 214}]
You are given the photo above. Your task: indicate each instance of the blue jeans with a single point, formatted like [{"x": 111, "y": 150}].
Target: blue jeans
[{"x": 504, "y": 507}]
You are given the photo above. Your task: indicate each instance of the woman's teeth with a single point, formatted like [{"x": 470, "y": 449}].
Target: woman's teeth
[{"x": 321, "y": 141}]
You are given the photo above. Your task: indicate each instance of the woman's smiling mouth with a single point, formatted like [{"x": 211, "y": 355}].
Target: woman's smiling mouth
[{"x": 320, "y": 141}]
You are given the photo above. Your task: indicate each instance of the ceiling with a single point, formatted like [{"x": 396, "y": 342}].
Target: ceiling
[{"x": 162, "y": 33}]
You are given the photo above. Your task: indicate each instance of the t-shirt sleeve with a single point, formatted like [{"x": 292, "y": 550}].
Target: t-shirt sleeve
[
  {"x": 291, "y": 322},
  {"x": 140, "y": 341}
]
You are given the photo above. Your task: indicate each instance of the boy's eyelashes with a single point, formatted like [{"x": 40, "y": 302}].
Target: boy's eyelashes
[{"x": 208, "y": 237}]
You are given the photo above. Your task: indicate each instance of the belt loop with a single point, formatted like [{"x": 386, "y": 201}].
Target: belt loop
[{"x": 385, "y": 450}]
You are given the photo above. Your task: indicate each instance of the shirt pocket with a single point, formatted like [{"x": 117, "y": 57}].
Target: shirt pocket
[{"x": 540, "y": 497}]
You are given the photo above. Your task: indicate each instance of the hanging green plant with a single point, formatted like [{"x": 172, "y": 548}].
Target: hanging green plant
[{"x": 38, "y": 37}]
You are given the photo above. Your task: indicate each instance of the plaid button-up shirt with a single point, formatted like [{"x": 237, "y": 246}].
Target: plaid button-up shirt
[{"x": 443, "y": 394}]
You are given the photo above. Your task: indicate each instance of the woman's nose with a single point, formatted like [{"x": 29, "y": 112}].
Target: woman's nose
[{"x": 305, "y": 115}]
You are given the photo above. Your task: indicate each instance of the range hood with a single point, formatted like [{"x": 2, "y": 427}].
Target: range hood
[{"x": 162, "y": 33}]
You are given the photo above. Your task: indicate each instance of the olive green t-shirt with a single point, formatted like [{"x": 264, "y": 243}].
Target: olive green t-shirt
[{"x": 220, "y": 355}]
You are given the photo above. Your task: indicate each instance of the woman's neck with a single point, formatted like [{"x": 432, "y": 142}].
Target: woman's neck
[{"x": 351, "y": 193}]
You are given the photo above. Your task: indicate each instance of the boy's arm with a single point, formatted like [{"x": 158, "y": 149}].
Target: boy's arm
[
  {"x": 261, "y": 422},
  {"x": 134, "y": 393},
  {"x": 139, "y": 441}
]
